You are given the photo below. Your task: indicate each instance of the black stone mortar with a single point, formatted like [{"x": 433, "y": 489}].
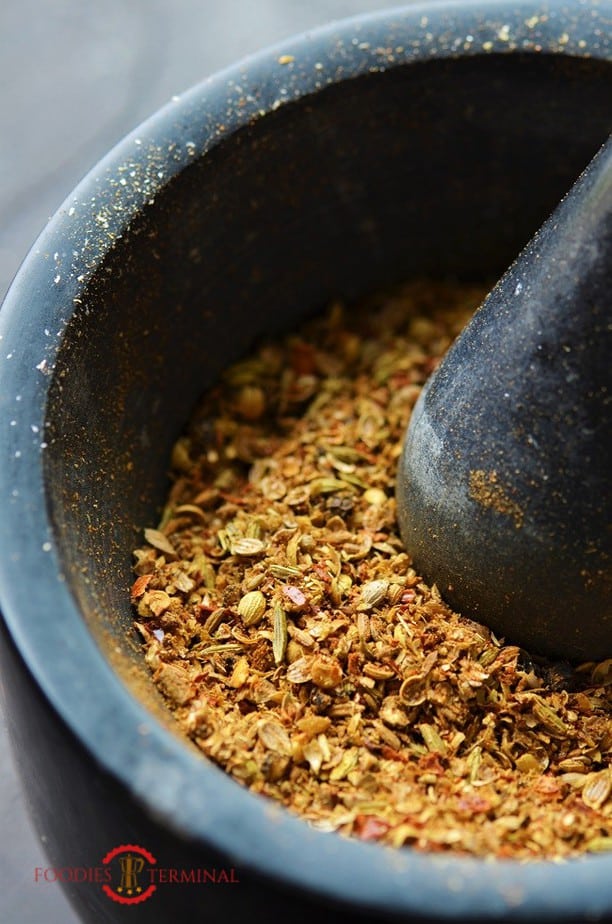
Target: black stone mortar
[{"x": 431, "y": 140}]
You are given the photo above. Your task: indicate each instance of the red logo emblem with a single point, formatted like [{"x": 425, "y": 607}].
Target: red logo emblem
[{"x": 128, "y": 870}]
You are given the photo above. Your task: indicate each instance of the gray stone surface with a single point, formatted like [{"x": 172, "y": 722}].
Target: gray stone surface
[{"x": 75, "y": 76}]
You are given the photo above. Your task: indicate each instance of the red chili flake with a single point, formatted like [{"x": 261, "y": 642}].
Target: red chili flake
[
  {"x": 409, "y": 596},
  {"x": 474, "y": 804},
  {"x": 322, "y": 572},
  {"x": 364, "y": 450},
  {"x": 353, "y": 663},
  {"x": 391, "y": 754},
  {"x": 547, "y": 788},
  {"x": 370, "y": 827},
  {"x": 232, "y": 499},
  {"x": 294, "y": 595},
  {"x": 399, "y": 379},
  {"x": 431, "y": 364},
  {"x": 430, "y": 763},
  {"x": 139, "y": 586}
]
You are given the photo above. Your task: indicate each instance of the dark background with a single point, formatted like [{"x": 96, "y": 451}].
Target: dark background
[{"x": 75, "y": 76}]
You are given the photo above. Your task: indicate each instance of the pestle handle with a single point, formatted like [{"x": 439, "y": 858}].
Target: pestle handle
[{"x": 504, "y": 480}]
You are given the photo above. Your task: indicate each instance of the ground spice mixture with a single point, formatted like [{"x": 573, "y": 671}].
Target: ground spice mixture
[{"x": 302, "y": 652}]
